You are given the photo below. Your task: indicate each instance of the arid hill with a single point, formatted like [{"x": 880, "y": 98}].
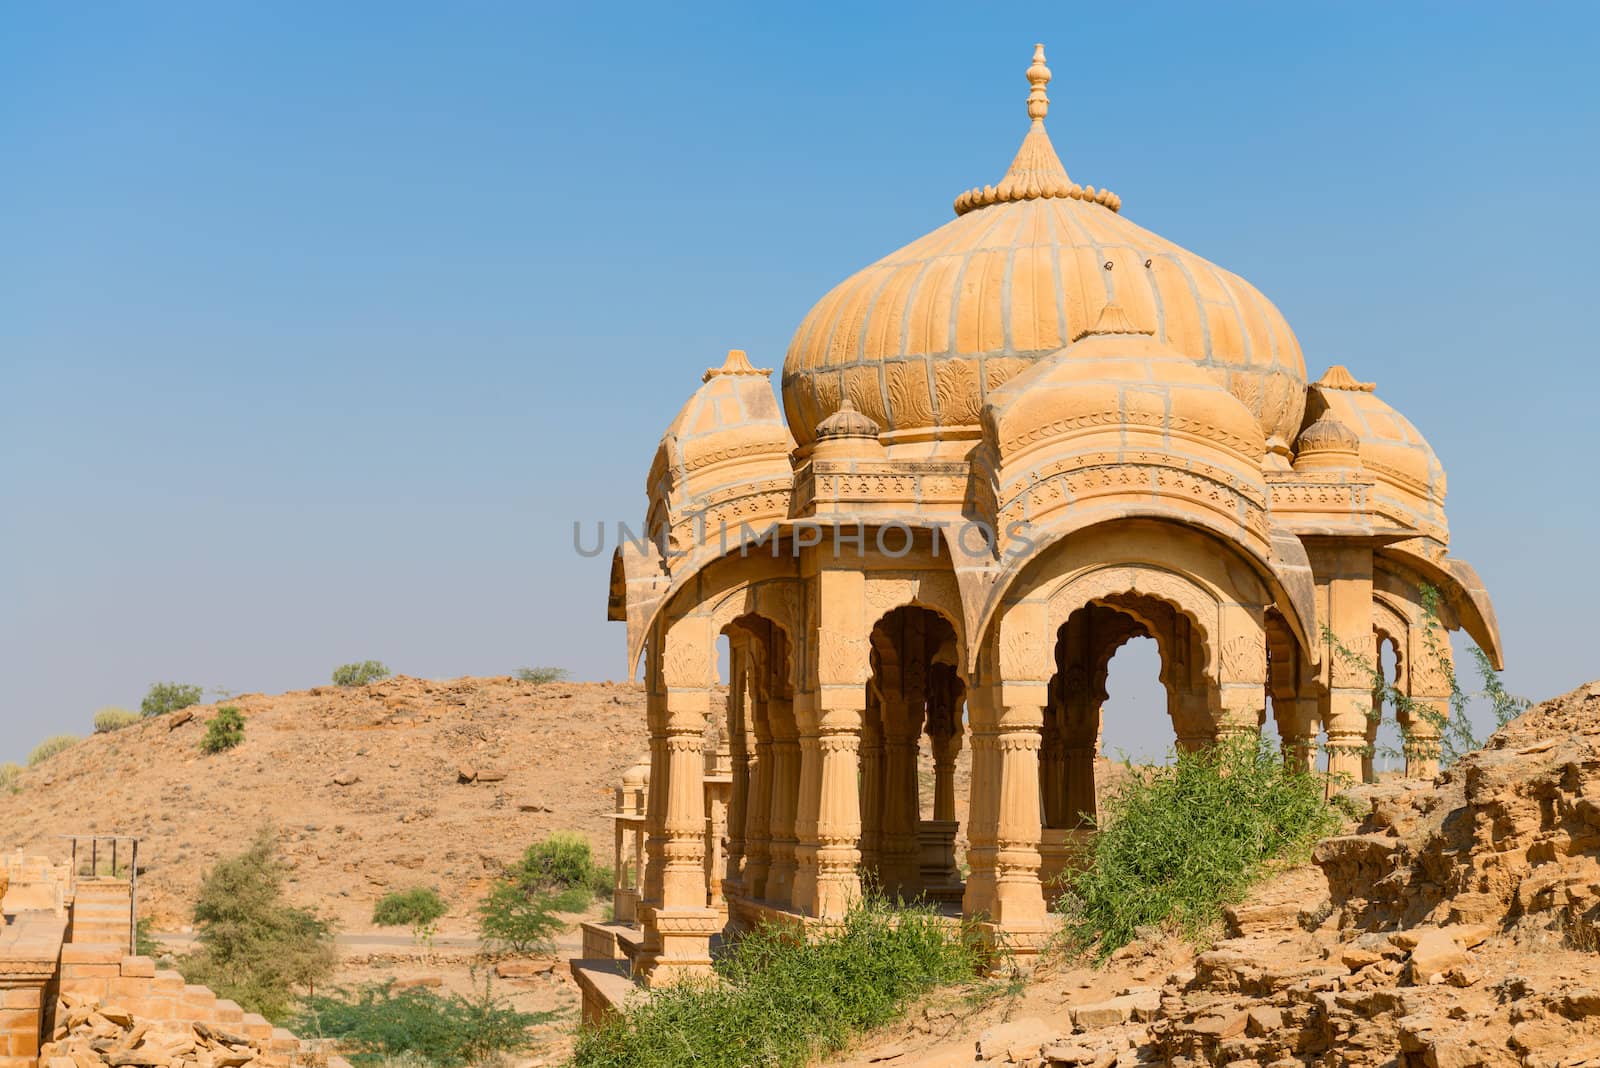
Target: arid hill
[
  {"x": 364, "y": 785},
  {"x": 1454, "y": 925}
]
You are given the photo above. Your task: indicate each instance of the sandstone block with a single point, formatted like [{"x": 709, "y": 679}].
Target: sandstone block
[
  {"x": 1246, "y": 920},
  {"x": 1263, "y": 1020},
  {"x": 1018, "y": 1035},
  {"x": 138, "y": 967}
]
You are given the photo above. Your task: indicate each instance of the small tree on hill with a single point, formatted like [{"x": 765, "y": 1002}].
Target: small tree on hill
[
  {"x": 254, "y": 947},
  {"x": 359, "y": 674},
  {"x": 167, "y": 697},
  {"x": 225, "y": 730},
  {"x": 541, "y": 675}
]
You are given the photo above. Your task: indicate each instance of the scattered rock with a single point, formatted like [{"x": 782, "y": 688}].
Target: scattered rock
[{"x": 346, "y": 778}]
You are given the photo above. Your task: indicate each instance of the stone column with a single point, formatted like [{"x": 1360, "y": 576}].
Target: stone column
[
  {"x": 1432, "y": 668},
  {"x": 1019, "y": 908},
  {"x": 982, "y": 804},
  {"x": 945, "y": 746},
  {"x": 739, "y": 761},
  {"x": 871, "y": 783},
  {"x": 838, "y": 831},
  {"x": 804, "y": 894},
  {"x": 1344, "y": 601},
  {"x": 785, "y": 798},
  {"x": 899, "y": 852},
  {"x": 758, "y": 820},
  {"x": 678, "y": 925}
]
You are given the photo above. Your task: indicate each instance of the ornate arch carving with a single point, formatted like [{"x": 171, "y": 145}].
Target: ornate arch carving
[{"x": 1105, "y": 584}]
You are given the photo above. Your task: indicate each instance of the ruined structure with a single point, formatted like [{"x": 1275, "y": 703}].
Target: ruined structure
[{"x": 1003, "y": 451}]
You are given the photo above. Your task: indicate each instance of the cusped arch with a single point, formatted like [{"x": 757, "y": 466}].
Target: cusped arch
[
  {"x": 1109, "y": 585},
  {"x": 1280, "y": 579}
]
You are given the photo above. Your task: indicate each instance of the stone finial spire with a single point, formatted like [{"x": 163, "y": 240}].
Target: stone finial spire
[
  {"x": 1039, "y": 78},
  {"x": 737, "y": 363},
  {"x": 1036, "y": 172}
]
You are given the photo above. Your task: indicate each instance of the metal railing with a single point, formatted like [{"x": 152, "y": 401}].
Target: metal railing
[{"x": 132, "y": 853}]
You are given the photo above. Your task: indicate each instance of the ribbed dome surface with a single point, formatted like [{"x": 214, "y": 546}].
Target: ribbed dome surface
[{"x": 918, "y": 339}]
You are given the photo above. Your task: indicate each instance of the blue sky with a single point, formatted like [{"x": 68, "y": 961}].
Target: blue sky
[{"x": 320, "y": 324}]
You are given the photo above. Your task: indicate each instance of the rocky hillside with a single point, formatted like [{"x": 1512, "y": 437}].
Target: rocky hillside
[
  {"x": 370, "y": 788},
  {"x": 1455, "y": 925}
]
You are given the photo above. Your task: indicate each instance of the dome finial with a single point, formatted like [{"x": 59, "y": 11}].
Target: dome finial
[{"x": 1039, "y": 78}]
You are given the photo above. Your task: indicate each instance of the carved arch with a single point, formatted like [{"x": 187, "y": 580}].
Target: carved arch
[{"x": 1105, "y": 584}]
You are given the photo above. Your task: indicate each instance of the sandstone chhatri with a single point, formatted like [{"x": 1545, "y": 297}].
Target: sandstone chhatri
[{"x": 1004, "y": 451}]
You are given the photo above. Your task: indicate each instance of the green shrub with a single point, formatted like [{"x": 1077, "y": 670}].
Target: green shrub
[
  {"x": 418, "y": 908},
  {"x": 224, "y": 731},
  {"x": 376, "y": 1023},
  {"x": 1178, "y": 842},
  {"x": 564, "y": 864},
  {"x": 359, "y": 674},
  {"x": 1453, "y": 736},
  {"x": 113, "y": 719},
  {"x": 512, "y": 917},
  {"x": 541, "y": 675},
  {"x": 48, "y": 748},
  {"x": 167, "y": 697},
  {"x": 781, "y": 1001},
  {"x": 144, "y": 939},
  {"x": 254, "y": 947},
  {"x": 10, "y": 773}
]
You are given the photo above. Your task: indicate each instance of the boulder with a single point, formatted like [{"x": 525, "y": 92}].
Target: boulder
[{"x": 1008, "y": 1040}]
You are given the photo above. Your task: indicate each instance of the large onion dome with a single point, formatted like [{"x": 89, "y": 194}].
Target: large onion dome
[{"x": 919, "y": 339}]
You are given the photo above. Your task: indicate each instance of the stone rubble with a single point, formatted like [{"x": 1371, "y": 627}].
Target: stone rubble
[{"x": 101, "y": 1033}]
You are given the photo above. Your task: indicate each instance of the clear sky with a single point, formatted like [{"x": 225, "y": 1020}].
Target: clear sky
[{"x": 320, "y": 324}]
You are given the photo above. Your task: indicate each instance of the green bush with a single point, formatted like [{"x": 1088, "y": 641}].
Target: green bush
[
  {"x": 512, "y": 917},
  {"x": 375, "y": 1024},
  {"x": 418, "y": 908},
  {"x": 541, "y": 675},
  {"x": 224, "y": 731},
  {"x": 48, "y": 748},
  {"x": 564, "y": 864},
  {"x": 254, "y": 947},
  {"x": 113, "y": 719},
  {"x": 1178, "y": 842},
  {"x": 167, "y": 697},
  {"x": 359, "y": 674},
  {"x": 781, "y": 1001}
]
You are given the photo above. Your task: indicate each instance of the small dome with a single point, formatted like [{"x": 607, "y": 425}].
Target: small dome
[
  {"x": 1118, "y": 398},
  {"x": 1411, "y": 480},
  {"x": 637, "y": 777},
  {"x": 847, "y": 423},
  {"x": 919, "y": 340},
  {"x": 1327, "y": 443}
]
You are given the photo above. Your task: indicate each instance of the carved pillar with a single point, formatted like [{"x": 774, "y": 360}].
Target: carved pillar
[
  {"x": 758, "y": 822},
  {"x": 739, "y": 760},
  {"x": 1012, "y": 725},
  {"x": 1019, "y": 908},
  {"x": 678, "y": 926},
  {"x": 983, "y": 800},
  {"x": 871, "y": 781},
  {"x": 838, "y": 859},
  {"x": 1432, "y": 668},
  {"x": 1344, "y": 602},
  {"x": 808, "y": 803},
  {"x": 946, "y": 746},
  {"x": 785, "y": 798},
  {"x": 899, "y": 853}
]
